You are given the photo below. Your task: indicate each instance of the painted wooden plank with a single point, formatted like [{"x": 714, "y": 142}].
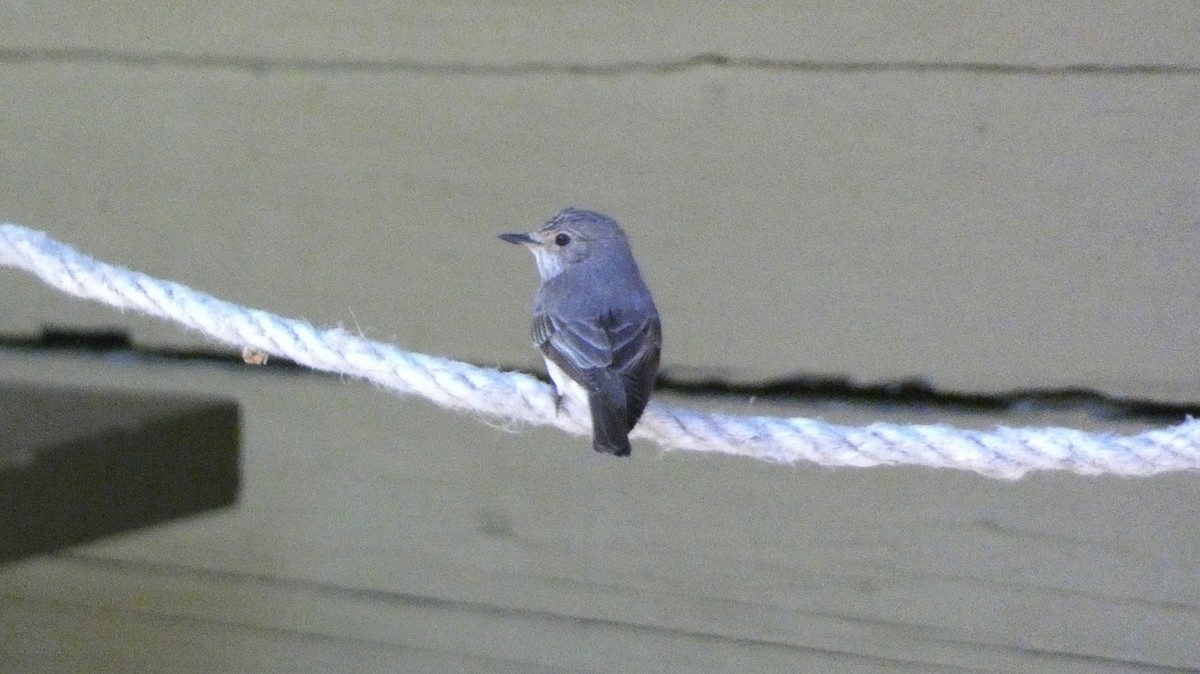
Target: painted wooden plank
[
  {"x": 1119, "y": 32},
  {"x": 983, "y": 232},
  {"x": 191, "y": 620},
  {"x": 555, "y": 558}
]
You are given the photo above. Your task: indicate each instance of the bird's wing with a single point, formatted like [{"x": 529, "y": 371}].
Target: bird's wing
[
  {"x": 614, "y": 359},
  {"x": 578, "y": 347},
  {"x": 636, "y": 347}
]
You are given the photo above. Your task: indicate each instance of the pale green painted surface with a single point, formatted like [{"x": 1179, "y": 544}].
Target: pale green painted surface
[
  {"x": 386, "y": 534},
  {"x": 984, "y": 230}
]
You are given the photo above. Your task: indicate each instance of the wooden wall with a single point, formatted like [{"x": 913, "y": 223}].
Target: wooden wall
[{"x": 986, "y": 196}]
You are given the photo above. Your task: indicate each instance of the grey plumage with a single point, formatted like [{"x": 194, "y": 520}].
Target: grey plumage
[{"x": 595, "y": 321}]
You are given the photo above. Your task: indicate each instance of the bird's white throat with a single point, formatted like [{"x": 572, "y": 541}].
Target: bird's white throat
[{"x": 549, "y": 265}]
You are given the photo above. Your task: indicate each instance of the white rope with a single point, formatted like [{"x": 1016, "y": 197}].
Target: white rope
[{"x": 1002, "y": 452}]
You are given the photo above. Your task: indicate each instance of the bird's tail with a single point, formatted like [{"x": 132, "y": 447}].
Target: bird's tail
[
  {"x": 610, "y": 424},
  {"x": 618, "y": 446}
]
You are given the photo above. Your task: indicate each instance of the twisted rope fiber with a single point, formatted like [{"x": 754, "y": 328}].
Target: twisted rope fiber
[{"x": 1002, "y": 452}]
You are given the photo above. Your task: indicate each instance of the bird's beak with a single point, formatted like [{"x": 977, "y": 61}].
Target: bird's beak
[{"x": 523, "y": 239}]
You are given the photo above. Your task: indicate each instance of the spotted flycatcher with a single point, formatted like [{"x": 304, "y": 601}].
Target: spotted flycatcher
[{"x": 595, "y": 322}]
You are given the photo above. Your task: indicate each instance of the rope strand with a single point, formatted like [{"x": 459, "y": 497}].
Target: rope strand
[{"x": 1002, "y": 452}]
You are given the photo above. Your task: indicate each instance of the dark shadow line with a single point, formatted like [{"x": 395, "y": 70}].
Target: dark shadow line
[
  {"x": 263, "y": 65},
  {"x": 904, "y": 395}
]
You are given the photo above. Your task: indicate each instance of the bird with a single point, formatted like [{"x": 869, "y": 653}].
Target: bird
[{"x": 594, "y": 321}]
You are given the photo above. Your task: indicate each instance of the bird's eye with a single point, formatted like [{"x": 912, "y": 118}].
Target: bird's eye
[{"x": 562, "y": 239}]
